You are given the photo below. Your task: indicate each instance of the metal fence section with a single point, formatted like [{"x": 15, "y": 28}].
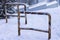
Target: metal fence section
[
  {"x": 49, "y": 23},
  {"x": 18, "y": 10}
]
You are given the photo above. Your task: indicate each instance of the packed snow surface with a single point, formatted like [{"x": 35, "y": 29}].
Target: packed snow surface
[{"x": 9, "y": 31}]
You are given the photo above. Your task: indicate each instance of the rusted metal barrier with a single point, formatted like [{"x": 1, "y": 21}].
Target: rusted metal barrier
[
  {"x": 17, "y": 8},
  {"x": 49, "y": 23},
  {"x": 37, "y": 13}
]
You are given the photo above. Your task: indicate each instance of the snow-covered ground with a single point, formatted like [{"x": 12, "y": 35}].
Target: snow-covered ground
[
  {"x": 9, "y": 31},
  {"x": 55, "y": 14}
]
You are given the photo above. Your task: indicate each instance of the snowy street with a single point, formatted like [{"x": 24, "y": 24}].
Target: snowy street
[{"x": 9, "y": 31}]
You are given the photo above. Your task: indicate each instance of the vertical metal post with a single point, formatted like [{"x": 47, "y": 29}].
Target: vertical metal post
[
  {"x": 25, "y": 14},
  {"x": 18, "y": 20},
  {"x": 49, "y": 29},
  {"x": 6, "y": 14}
]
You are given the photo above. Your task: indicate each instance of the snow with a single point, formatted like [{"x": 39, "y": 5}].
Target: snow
[
  {"x": 36, "y": 5},
  {"x": 9, "y": 31},
  {"x": 21, "y": 6},
  {"x": 55, "y": 14},
  {"x": 51, "y": 3}
]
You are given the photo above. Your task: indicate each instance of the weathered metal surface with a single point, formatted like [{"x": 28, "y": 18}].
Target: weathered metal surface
[{"x": 49, "y": 23}]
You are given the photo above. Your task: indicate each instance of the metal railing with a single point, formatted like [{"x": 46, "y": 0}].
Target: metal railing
[
  {"x": 37, "y": 13},
  {"x": 49, "y": 23},
  {"x": 16, "y": 15}
]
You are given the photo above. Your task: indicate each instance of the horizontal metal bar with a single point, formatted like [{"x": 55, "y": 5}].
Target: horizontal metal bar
[
  {"x": 15, "y": 15},
  {"x": 34, "y": 29},
  {"x": 15, "y": 3},
  {"x": 38, "y": 13}
]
